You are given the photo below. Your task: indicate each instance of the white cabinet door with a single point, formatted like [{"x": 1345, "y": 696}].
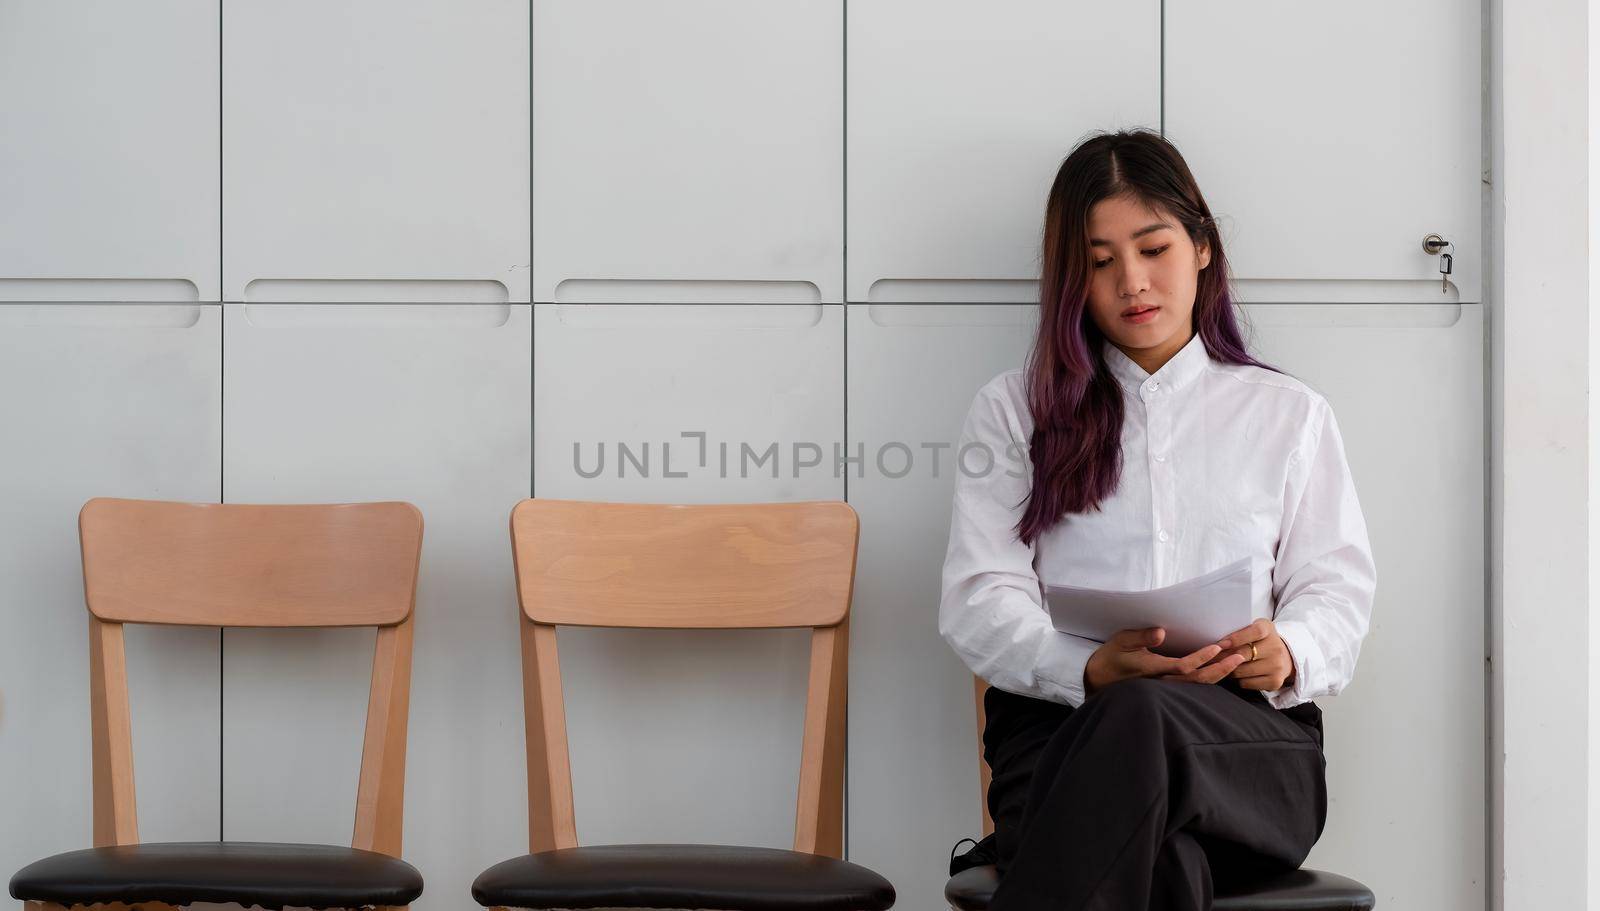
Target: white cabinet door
[
  {"x": 959, "y": 118},
  {"x": 109, "y": 166},
  {"x": 428, "y": 404},
  {"x": 688, "y": 152},
  {"x": 914, "y": 759},
  {"x": 1330, "y": 139},
  {"x": 1406, "y": 383},
  {"x": 660, "y": 719},
  {"x": 118, "y": 400},
  {"x": 377, "y": 150},
  {"x": 1405, "y": 739}
]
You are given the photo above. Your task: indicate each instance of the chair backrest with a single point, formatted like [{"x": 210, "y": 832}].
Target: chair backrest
[
  {"x": 706, "y": 566},
  {"x": 212, "y": 564},
  {"x": 979, "y": 687}
]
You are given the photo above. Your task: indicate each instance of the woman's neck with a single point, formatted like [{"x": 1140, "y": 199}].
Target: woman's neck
[{"x": 1152, "y": 359}]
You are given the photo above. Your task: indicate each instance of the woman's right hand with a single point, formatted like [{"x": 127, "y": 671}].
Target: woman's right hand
[{"x": 1128, "y": 654}]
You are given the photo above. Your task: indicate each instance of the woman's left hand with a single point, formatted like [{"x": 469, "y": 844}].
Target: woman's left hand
[{"x": 1273, "y": 666}]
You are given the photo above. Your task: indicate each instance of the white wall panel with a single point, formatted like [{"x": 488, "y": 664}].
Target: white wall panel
[
  {"x": 114, "y": 400},
  {"x": 914, "y": 761},
  {"x": 660, "y": 720},
  {"x": 669, "y": 182},
  {"x": 1406, "y": 382},
  {"x": 109, "y": 168},
  {"x": 428, "y": 404},
  {"x": 376, "y": 150},
  {"x": 688, "y": 152},
  {"x": 958, "y": 120},
  {"x": 1330, "y": 140},
  {"x": 1405, "y": 739}
]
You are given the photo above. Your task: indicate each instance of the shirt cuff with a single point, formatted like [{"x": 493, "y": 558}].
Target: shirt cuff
[
  {"x": 1307, "y": 658},
  {"x": 1062, "y": 663}
]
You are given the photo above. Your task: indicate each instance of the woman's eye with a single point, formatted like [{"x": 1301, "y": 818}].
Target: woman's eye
[{"x": 1156, "y": 252}]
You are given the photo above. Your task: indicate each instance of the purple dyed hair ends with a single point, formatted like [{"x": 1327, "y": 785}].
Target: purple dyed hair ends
[{"x": 1076, "y": 404}]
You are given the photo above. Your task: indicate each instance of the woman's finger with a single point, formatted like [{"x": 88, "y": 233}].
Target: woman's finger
[
  {"x": 1208, "y": 673},
  {"x": 1195, "y": 660},
  {"x": 1255, "y": 632},
  {"x": 1262, "y": 652},
  {"x": 1211, "y": 673},
  {"x": 1216, "y": 671},
  {"x": 1258, "y": 682}
]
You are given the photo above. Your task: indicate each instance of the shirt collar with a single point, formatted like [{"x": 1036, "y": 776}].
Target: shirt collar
[{"x": 1190, "y": 361}]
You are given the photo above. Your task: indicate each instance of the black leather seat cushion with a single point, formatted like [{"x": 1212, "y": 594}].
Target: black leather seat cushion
[
  {"x": 682, "y": 876},
  {"x": 1298, "y": 890},
  {"x": 250, "y": 873}
]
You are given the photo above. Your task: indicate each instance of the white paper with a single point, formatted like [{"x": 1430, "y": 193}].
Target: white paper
[{"x": 1195, "y": 612}]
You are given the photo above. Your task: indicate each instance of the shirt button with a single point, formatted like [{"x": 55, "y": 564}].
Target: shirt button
[
  {"x": 1161, "y": 458},
  {"x": 1162, "y": 535},
  {"x": 1153, "y": 385}
]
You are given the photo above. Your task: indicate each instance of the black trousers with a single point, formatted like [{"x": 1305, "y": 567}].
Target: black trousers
[{"x": 1150, "y": 795}]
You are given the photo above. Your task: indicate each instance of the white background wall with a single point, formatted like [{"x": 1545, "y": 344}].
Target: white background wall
[
  {"x": 429, "y": 250},
  {"x": 1541, "y": 532}
]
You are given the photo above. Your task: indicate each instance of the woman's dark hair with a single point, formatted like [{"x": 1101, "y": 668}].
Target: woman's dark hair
[{"x": 1075, "y": 401}]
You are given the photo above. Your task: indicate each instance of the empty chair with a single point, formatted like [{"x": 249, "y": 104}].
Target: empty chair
[
  {"x": 201, "y": 564},
  {"x": 1297, "y": 890},
  {"x": 684, "y": 566}
]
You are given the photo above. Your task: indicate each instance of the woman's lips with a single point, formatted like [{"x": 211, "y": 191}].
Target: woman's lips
[{"x": 1143, "y": 316}]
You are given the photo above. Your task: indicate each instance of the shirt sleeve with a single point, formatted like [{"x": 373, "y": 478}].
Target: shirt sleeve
[
  {"x": 991, "y": 610},
  {"x": 1324, "y": 577}
]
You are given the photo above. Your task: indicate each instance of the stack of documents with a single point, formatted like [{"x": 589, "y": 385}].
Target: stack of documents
[{"x": 1195, "y": 612}]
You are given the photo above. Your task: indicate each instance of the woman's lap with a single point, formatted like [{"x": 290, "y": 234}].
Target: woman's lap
[{"x": 1251, "y": 775}]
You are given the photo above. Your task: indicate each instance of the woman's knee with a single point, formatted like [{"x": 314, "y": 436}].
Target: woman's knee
[
  {"x": 1132, "y": 691},
  {"x": 1145, "y": 699}
]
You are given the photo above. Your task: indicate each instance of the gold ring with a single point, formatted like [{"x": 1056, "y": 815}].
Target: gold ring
[{"x": 1252, "y": 651}]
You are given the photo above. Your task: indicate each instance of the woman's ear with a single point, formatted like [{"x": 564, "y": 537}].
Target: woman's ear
[{"x": 1203, "y": 254}]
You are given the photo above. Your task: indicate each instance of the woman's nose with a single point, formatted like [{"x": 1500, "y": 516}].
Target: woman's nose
[{"x": 1135, "y": 280}]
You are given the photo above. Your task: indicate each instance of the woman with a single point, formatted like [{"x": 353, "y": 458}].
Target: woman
[{"x": 1141, "y": 445}]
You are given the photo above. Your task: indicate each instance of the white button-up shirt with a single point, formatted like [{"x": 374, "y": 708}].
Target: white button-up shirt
[{"x": 1219, "y": 461}]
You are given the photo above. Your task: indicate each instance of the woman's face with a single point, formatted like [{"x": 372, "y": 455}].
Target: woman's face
[{"x": 1142, "y": 258}]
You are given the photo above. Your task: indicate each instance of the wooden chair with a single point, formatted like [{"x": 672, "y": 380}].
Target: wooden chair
[
  {"x": 1297, "y": 890},
  {"x": 624, "y": 565},
  {"x": 189, "y": 564}
]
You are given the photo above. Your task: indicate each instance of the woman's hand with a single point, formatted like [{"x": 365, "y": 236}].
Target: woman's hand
[
  {"x": 1273, "y": 666},
  {"x": 1128, "y": 654}
]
